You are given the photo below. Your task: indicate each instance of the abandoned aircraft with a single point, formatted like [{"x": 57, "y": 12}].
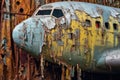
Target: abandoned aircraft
[{"x": 73, "y": 33}]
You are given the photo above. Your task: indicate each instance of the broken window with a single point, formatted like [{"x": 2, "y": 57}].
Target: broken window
[
  {"x": 97, "y": 24},
  {"x": 44, "y": 12},
  {"x": 57, "y": 13},
  {"x": 87, "y": 23},
  {"x": 115, "y": 26},
  {"x": 107, "y": 25}
]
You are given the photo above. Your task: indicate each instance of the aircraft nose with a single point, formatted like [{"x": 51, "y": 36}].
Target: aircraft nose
[
  {"x": 16, "y": 34},
  {"x": 29, "y": 35}
]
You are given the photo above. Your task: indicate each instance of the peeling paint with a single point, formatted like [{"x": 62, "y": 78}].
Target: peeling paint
[
  {"x": 72, "y": 37},
  {"x": 69, "y": 8}
]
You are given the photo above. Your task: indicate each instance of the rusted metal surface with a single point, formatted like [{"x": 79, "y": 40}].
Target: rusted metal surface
[
  {"x": 50, "y": 21},
  {"x": 69, "y": 37},
  {"x": 9, "y": 19},
  {"x": 20, "y": 10}
]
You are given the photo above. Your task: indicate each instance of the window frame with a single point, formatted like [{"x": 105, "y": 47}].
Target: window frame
[
  {"x": 43, "y": 15},
  {"x": 59, "y": 9},
  {"x": 116, "y": 27},
  {"x": 90, "y": 24},
  {"x": 96, "y": 22},
  {"x": 108, "y": 25}
]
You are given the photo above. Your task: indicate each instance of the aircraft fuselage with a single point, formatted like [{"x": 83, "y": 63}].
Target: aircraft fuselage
[{"x": 73, "y": 33}]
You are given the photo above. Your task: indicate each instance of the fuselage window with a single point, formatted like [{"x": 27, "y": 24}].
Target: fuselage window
[
  {"x": 57, "y": 13},
  {"x": 98, "y": 24},
  {"x": 87, "y": 23},
  {"x": 44, "y": 12},
  {"x": 107, "y": 25},
  {"x": 115, "y": 26}
]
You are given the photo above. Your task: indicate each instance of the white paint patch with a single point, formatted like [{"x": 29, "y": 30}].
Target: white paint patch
[
  {"x": 113, "y": 58},
  {"x": 48, "y": 21},
  {"x": 114, "y": 13}
]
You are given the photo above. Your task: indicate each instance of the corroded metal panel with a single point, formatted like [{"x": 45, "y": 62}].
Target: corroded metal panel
[
  {"x": 69, "y": 35},
  {"x": 73, "y": 37}
]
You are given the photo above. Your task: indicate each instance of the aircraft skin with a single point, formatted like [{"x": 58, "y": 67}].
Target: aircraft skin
[{"x": 73, "y": 33}]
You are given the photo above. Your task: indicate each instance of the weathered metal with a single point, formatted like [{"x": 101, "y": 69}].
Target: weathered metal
[
  {"x": 69, "y": 33},
  {"x": 22, "y": 9},
  {"x": 11, "y": 15}
]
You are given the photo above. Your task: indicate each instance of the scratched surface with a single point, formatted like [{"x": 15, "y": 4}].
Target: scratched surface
[
  {"x": 30, "y": 36},
  {"x": 73, "y": 38}
]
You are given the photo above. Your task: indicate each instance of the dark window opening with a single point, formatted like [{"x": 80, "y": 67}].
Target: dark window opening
[
  {"x": 71, "y": 35},
  {"x": 87, "y": 23},
  {"x": 44, "y": 12},
  {"x": 57, "y": 13},
  {"x": 98, "y": 24},
  {"x": 115, "y": 26},
  {"x": 107, "y": 25}
]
